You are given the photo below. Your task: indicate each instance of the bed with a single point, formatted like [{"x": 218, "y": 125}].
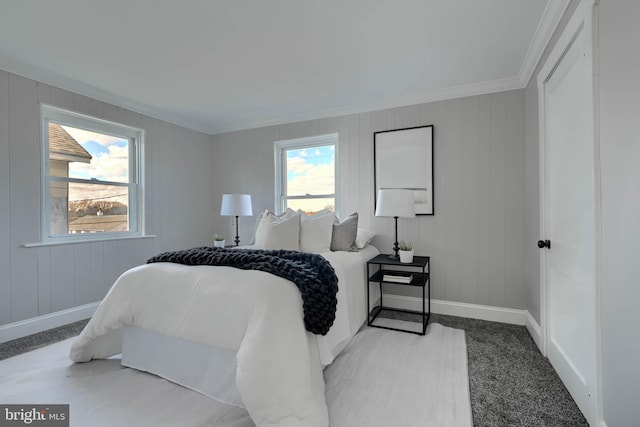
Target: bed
[{"x": 235, "y": 335}]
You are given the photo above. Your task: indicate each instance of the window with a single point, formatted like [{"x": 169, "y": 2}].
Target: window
[
  {"x": 92, "y": 178},
  {"x": 306, "y": 174}
]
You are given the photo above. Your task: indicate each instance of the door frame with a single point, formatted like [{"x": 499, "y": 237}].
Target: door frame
[{"x": 584, "y": 19}]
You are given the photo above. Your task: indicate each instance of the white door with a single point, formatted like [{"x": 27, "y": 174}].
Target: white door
[{"x": 569, "y": 220}]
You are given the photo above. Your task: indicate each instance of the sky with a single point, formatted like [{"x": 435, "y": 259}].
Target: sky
[
  {"x": 310, "y": 171},
  {"x": 110, "y": 162}
]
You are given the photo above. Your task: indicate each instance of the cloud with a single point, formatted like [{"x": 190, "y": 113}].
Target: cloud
[
  {"x": 112, "y": 165},
  {"x": 306, "y": 178},
  {"x": 83, "y": 136}
]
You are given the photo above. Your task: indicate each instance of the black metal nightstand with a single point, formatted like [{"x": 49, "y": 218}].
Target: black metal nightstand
[{"x": 419, "y": 272}]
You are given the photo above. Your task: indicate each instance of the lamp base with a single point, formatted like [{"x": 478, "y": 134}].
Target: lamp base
[
  {"x": 396, "y": 248},
  {"x": 237, "y": 240}
]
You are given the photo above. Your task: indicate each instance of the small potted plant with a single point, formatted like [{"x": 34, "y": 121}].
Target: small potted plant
[
  {"x": 405, "y": 251},
  {"x": 218, "y": 241}
]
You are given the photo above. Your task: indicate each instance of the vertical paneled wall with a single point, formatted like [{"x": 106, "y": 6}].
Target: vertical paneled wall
[
  {"x": 475, "y": 238},
  {"x": 619, "y": 68},
  {"x": 178, "y": 204},
  {"x": 5, "y": 224}
]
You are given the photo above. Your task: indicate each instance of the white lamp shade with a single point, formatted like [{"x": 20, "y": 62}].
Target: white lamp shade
[
  {"x": 395, "y": 202},
  {"x": 236, "y": 205}
]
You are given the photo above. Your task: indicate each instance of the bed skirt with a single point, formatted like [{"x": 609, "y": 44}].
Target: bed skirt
[{"x": 206, "y": 369}]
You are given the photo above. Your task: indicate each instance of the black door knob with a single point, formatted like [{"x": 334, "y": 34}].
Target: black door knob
[{"x": 544, "y": 244}]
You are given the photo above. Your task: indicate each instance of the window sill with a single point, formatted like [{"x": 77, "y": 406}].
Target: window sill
[{"x": 75, "y": 242}]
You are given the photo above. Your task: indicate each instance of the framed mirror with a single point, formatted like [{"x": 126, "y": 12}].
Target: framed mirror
[{"x": 403, "y": 158}]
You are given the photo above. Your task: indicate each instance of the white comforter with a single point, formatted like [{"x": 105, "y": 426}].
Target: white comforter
[{"x": 259, "y": 315}]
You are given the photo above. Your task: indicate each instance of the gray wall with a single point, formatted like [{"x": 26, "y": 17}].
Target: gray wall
[
  {"x": 42, "y": 280},
  {"x": 620, "y": 170},
  {"x": 532, "y": 203},
  {"x": 476, "y": 237}
]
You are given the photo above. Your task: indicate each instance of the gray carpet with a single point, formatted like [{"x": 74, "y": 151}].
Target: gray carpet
[
  {"x": 32, "y": 342},
  {"x": 511, "y": 383}
]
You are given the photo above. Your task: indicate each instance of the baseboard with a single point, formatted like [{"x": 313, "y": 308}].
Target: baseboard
[
  {"x": 48, "y": 321},
  {"x": 534, "y": 330},
  {"x": 473, "y": 311}
]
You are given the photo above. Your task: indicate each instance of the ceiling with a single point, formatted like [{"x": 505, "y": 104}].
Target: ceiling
[{"x": 224, "y": 65}]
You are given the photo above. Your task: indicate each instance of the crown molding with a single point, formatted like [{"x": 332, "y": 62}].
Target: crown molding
[
  {"x": 454, "y": 92},
  {"x": 551, "y": 17}
]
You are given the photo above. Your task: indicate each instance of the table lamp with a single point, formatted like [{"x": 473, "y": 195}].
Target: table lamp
[
  {"x": 236, "y": 205},
  {"x": 396, "y": 203}
]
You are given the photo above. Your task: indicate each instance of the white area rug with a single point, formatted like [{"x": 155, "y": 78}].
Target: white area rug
[
  {"x": 383, "y": 378},
  {"x": 386, "y": 378}
]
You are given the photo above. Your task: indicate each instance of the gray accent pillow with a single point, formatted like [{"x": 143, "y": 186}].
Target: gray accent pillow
[{"x": 344, "y": 234}]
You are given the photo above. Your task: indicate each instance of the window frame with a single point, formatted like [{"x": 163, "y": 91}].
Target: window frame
[
  {"x": 280, "y": 150},
  {"x": 135, "y": 184}
]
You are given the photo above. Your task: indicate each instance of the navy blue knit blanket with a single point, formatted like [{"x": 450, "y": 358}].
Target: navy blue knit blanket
[{"x": 312, "y": 274}]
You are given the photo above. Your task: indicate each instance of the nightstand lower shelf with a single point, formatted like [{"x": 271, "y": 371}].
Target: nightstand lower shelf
[{"x": 379, "y": 309}]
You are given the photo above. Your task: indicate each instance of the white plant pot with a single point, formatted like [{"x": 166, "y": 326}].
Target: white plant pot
[
  {"x": 218, "y": 243},
  {"x": 406, "y": 256}
]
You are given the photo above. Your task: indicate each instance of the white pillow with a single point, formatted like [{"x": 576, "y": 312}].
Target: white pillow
[
  {"x": 287, "y": 214},
  {"x": 284, "y": 215},
  {"x": 275, "y": 233},
  {"x": 315, "y": 232},
  {"x": 364, "y": 237}
]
